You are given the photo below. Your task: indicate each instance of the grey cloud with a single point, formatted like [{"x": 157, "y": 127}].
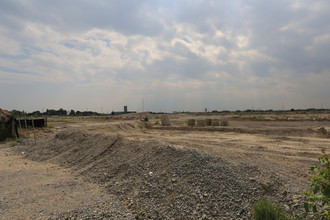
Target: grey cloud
[
  {"x": 283, "y": 44},
  {"x": 287, "y": 46},
  {"x": 128, "y": 17}
]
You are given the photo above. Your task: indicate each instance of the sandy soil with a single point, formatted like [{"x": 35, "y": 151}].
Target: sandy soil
[{"x": 34, "y": 190}]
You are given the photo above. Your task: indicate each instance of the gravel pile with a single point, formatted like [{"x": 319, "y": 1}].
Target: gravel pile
[{"x": 156, "y": 180}]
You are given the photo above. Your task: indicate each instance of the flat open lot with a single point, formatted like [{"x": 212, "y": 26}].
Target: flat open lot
[
  {"x": 288, "y": 144},
  {"x": 273, "y": 151}
]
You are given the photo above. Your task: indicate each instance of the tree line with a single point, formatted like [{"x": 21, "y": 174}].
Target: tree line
[{"x": 53, "y": 112}]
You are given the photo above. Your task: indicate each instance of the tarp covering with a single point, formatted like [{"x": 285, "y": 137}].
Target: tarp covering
[
  {"x": 8, "y": 129},
  {"x": 38, "y": 122}
]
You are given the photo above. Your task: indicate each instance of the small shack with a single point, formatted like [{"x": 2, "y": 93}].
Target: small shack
[{"x": 8, "y": 126}]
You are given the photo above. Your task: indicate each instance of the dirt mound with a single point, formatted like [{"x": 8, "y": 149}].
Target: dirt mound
[{"x": 158, "y": 180}]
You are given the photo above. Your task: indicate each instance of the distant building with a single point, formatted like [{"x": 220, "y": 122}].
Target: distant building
[{"x": 124, "y": 112}]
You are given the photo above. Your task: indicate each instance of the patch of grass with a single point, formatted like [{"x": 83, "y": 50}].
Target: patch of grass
[
  {"x": 60, "y": 120},
  {"x": 157, "y": 123},
  {"x": 50, "y": 126},
  {"x": 12, "y": 143},
  {"x": 265, "y": 209}
]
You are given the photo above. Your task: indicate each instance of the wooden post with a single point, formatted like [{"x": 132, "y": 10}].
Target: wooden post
[
  {"x": 26, "y": 129},
  {"x": 20, "y": 127},
  {"x": 34, "y": 133},
  {"x": 13, "y": 130}
]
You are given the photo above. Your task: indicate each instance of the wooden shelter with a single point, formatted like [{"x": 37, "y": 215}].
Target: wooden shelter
[{"x": 8, "y": 126}]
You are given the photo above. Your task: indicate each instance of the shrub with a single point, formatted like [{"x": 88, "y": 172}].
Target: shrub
[
  {"x": 265, "y": 209},
  {"x": 319, "y": 193}
]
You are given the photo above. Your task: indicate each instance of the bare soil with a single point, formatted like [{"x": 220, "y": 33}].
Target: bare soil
[
  {"x": 151, "y": 171},
  {"x": 33, "y": 190}
]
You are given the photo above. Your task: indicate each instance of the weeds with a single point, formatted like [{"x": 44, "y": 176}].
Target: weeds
[
  {"x": 60, "y": 120},
  {"x": 13, "y": 143},
  {"x": 319, "y": 192},
  {"x": 265, "y": 209}
]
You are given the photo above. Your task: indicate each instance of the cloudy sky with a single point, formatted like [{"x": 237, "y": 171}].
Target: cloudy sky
[{"x": 183, "y": 55}]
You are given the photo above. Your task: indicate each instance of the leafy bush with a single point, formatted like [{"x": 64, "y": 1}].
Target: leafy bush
[
  {"x": 319, "y": 193},
  {"x": 265, "y": 209}
]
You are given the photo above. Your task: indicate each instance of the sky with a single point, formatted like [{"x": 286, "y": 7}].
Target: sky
[{"x": 175, "y": 55}]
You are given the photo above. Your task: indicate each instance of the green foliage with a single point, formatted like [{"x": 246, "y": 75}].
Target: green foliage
[
  {"x": 265, "y": 209},
  {"x": 12, "y": 143},
  {"x": 319, "y": 192}
]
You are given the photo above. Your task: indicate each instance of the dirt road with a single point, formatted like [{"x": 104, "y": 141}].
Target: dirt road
[{"x": 34, "y": 190}]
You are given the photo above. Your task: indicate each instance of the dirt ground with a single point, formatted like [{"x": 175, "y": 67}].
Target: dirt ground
[
  {"x": 286, "y": 144},
  {"x": 33, "y": 190}
]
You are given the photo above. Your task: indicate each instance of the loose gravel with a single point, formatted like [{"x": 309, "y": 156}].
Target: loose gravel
[{"x": 156, "y": 180}]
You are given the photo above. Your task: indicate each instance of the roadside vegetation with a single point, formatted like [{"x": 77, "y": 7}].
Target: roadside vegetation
[
  {"x": 13, "y": 142},
  {"x": 264, "y": 209},
  {"x": 318, "y": 197},
  {"x": 319, "y": 193}
]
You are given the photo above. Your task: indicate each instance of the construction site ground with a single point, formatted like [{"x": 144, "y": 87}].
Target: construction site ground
[{"x": 117, "y": 167}]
